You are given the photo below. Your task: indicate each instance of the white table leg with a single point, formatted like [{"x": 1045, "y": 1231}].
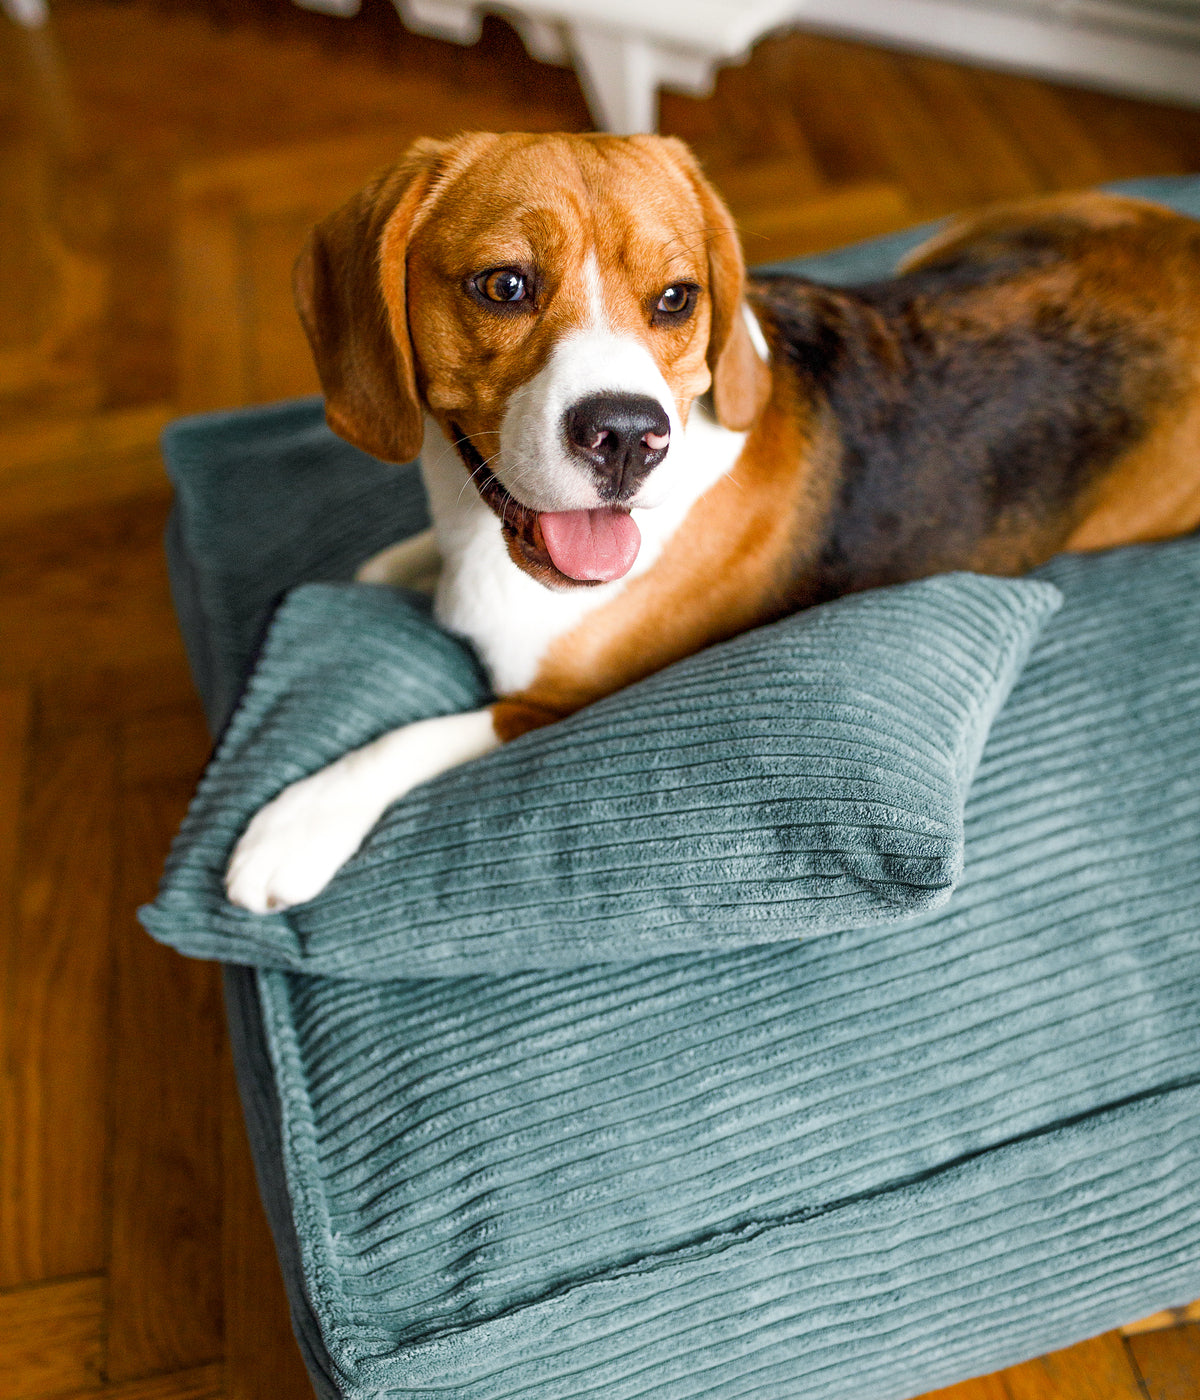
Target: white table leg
[
  {"x": 543, "y": 39},
  {"x": 619, "y": 74},
  {"x": 30, "y": 13},
  {"x": 345, "y": 8},
  {"x": 456, "y": 20}
]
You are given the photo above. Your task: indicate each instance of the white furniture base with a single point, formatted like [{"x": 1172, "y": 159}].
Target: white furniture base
[
  {"x": 625, "y": 50},
  {"x": 30, "y": 13}
]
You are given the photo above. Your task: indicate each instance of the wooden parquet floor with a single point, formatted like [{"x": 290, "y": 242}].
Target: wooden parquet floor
[{"x": 159, "y": 161}]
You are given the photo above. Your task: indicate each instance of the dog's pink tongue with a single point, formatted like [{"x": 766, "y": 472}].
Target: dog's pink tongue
[{"x": 591, "y": 544}]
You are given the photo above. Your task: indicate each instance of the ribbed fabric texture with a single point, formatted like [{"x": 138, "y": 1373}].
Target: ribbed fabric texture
[
  {"x": 807, "y": 776},
  {"x": 233, "y": 556},
  {"x": 863, "y": 1164}
]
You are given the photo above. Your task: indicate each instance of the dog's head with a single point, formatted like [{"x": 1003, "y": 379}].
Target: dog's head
[{"x": 556, "y": 303}]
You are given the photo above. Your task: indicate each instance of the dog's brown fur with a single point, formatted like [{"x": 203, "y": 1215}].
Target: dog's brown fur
[{"x": 1029, "y": 383}]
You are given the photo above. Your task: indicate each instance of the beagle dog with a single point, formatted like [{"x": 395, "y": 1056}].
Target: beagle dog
[{"x": 630, "y": 453}]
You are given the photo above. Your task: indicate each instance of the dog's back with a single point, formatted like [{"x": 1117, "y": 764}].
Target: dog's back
[{"x": 1029, "y": 383}]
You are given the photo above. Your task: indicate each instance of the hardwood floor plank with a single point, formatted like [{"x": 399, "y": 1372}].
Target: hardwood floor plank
[
  {"x": 41, "y": 443},
  {"x": 752, "y": 135},
  {"x": 240, "y": 340},
  {"x": 139, "y": 322},
  {"x": 1175, "y": 128},
  {"x": 1133, "y": 145},
  {"x": 53, "y": 278},
  {"x": 981, "y": 1388},
  {"x": 15, "y": 710},
  {"x": 63, "y": 464},
  {"x": 57, "y": 969},
  {"x": 1045, "y": 129},
  {"x": 165, "y": 1234},
  {"x": 169, "y": 745},
  {"x": 919, "y": 148},
  {"x": 1100, "y": 1369},
  {"x": 213, "y": 356},
  {"x": 817, "y": 87},
  {"x": 896, "y": 136},
  {"x": 86, "y": 589},
  {"x": 767, "y": 180},
  {"x": 160, "y": 689},
  {"x": 1169, "y": 1362},
  {"x": 199, "y": 1383},
  {"x": 280, "y": 363},
  {"x": 262, "y": 1360},
  {"x": 847, "y": 215},
  {"x": 993, "y": 167},
  {"x": 51, "y": 1338}
]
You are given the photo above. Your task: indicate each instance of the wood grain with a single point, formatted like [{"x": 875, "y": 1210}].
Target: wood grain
[
  {"x": 167, "y": 744},
  {"x": 165, "y": 1154},
  {"x": 158, "y": 689},
  {"x": 63, "y": 464},
  {"x": 1100, "y": 1369},
  {"x": 86, "y": 588},
  {"x": 993, "y": 1387},
  {"x": 14, "y": 737},
  {"x": 51, "y": 1337},
  {"x": 1169, "y": 1362},
  {"x": 58, "y": 966},
  {"x": 1060, "y": 147},
  {"x": 201, "y": 1383}
]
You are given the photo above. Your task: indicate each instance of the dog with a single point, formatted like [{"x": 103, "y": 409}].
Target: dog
[{"x": 631, "y": 452}]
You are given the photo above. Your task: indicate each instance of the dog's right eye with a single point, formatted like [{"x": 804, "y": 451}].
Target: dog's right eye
[{"x": 505, "y": 285}]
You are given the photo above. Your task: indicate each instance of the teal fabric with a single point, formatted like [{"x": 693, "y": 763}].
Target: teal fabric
[
  {"x": 857, "y": 1165},
  {"x": 803, "y": 777},
  {"x": 264, "y": 500},
  {"x": 851, "y": 1167}
]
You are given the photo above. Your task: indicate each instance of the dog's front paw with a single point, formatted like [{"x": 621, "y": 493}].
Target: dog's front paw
[{"x": 297, "y": 843}]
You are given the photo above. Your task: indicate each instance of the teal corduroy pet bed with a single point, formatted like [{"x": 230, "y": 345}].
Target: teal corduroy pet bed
[{"x": 884, "y": 1072}]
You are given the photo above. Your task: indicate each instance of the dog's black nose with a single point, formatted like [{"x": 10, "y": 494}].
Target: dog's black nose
[{"x": 622, "y": 437}]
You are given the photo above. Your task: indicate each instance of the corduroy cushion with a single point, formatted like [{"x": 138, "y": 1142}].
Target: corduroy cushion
[
  {"x": 856, "y": 1165},
  {"x": 804, "y": 777}
]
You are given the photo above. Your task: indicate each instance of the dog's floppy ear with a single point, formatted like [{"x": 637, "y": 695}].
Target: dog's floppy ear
[
  {"x": 741, "y": 381},
  {"x": 358, "y": 326}
]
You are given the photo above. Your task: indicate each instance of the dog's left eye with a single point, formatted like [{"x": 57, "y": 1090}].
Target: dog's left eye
[
  {"x": 676, "y": 299},
  {"x": 503, "y": 284}
]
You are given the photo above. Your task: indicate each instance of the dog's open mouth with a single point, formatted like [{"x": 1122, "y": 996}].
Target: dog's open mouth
[{"x": 564, "y": 546}]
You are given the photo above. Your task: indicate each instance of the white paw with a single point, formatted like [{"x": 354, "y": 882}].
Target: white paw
[{"x": 297, "y": 843}]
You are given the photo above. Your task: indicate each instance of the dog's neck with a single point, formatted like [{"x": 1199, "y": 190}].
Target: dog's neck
[{"x": 508, "y": 617}]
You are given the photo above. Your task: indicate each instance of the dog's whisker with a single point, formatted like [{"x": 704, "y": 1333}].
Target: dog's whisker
[
  {"x": 483, "y": 466},
  {"x": 470, "y": 481},
  {"x": 479, "y": 470}
]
